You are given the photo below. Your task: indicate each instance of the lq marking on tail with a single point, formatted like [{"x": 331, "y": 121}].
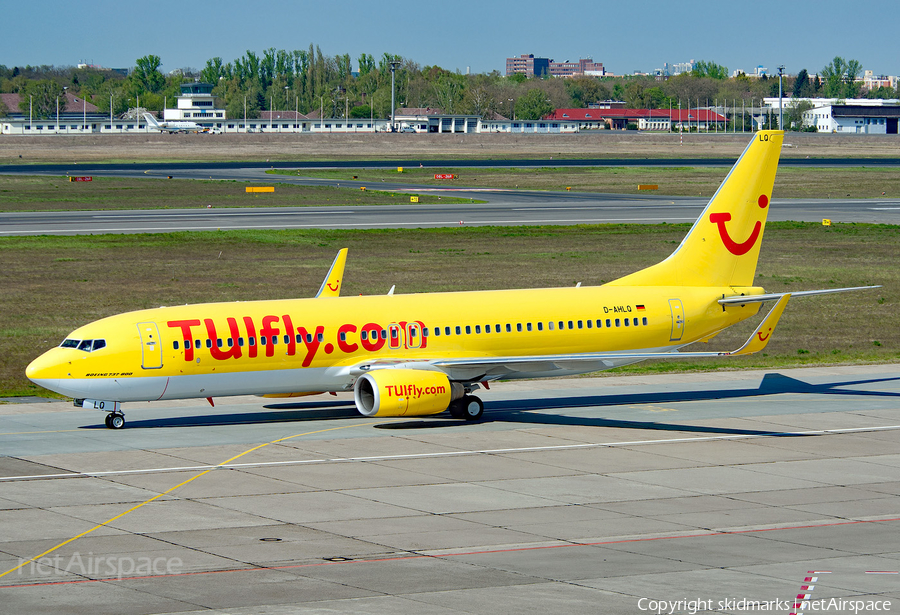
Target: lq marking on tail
[{"x": 738, "y": 249}]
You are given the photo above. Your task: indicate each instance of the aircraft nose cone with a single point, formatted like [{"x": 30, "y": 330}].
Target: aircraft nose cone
[{"x": 44, "y": 371}]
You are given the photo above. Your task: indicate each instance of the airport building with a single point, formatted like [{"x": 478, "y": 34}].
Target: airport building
[
  {"x": 854, "y": 119},
  {"x": 531, "y": 66},
  {"x": 643, "y": 119}
]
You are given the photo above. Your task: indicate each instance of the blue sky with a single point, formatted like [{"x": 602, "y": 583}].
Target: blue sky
[{"x": 625, "y": 36}]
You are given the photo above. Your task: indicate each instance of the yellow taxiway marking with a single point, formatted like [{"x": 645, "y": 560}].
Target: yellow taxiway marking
[
  {"x": 167, "y": 491},
  {"x": 22, "y": 433}
]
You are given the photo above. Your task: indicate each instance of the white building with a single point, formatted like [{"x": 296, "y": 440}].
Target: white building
[
  {"x": 197, "y": 104},
  {"x": 854, "y": 119}
]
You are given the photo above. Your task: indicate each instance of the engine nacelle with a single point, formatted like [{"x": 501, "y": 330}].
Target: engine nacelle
[{"x": 404, "y": 392}]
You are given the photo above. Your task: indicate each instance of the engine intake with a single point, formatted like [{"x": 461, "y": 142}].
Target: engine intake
[{"x": 404, "y": 392}]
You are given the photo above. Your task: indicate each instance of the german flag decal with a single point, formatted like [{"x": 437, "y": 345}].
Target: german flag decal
[{"x": 640, "y": 307}]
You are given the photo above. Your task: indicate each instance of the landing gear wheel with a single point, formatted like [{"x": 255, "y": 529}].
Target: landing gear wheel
[
  {"x": 107, "y": 421},
  {"x": 457, "y": 409},
  {"x": 115, "y": 421},
  {"x": 473, "y": 407}
]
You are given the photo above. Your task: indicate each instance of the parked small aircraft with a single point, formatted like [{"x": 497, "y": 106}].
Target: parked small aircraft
[{"x": 173, "y": 125}]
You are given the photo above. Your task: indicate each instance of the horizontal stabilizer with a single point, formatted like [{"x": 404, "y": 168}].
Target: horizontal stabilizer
[
  {"x": 764, "y": 331},
  {"x": 742, "y": 299}
]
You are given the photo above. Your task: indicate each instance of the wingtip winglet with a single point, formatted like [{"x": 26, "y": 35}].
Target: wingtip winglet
[{"x": 331, "y": 285}]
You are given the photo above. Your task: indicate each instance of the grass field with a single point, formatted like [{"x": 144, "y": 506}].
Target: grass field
[
  {"x": 52, "y": 285},
  {"x": 790, "y": 182},
  {"x": 42, "y": 193}
]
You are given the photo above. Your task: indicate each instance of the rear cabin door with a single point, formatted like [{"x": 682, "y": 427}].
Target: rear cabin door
[
  {"x": 151, "y": 346},
  {"x": 677, "y": 320}
]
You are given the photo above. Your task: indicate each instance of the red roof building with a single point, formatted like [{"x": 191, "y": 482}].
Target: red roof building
[{"x": 646, "y": 119}]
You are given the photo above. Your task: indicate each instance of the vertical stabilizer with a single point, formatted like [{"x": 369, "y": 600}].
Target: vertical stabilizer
[
  {"x": 722, "y": 247},
  {"x": 152, "y": 121}
]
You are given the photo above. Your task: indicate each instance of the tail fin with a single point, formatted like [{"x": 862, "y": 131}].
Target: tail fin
[
  {"x": 722, "y": 247},
  {"x": 152, "y": 121}
]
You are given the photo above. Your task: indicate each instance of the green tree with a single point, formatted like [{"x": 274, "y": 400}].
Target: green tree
[
  {"x": 802, "y": 85},
  {"x": 840, "y": 78},
  {"x": 42, "y": 97},
  {"x": 4, "y": 110},
  {"x": 793, "y": 114},
  {"x": 711, "y": 70},
  {"x": 146, "y": 76},
  {"x": 533, "y": 105}
]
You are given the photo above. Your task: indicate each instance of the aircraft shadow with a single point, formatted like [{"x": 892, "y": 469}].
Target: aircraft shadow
[{"x": 520, "y": 411}]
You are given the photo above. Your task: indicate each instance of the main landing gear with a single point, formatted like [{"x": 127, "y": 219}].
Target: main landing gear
[
  {"x": 115, "y": 420},
  {"x": 467, "y": 407}
]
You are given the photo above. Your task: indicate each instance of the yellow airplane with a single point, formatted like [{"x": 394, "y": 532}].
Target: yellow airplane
[{"x": 421, "y": 354}]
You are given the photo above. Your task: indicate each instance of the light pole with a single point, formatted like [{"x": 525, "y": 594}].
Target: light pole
[
  {"x": 286, "y": 88},
  {"x": 512, "y": 108},
  {"x": 394, "y": 65},
  {"x": 780, "y": 105}
]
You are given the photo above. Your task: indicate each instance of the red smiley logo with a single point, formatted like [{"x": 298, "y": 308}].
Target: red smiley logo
[
  {"x": 337, "y": 285},
  {"x": 738, "y": 249}
]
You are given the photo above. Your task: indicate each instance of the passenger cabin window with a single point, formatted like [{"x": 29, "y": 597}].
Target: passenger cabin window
[
  {"x": 508, "y": 328},
  {"x": 437, "y": 331},
  {"x": 209, "y": 343},
  {"x": 477, "y": 328},
  {"x": 550, "y": 325},
  {"x": 251, "y": 341},
  {"x": 519, "y": 327},
  {"x": 197, "y": 344},
  {"x": 644, "y": 321},
  {"x": 528, "y": 326},
  {"x": 446, "y": 330},
  {"x": 458, "y": 330},
  {"x": 175, "y": 345},
  {"x": 468, "y": 330},
  {"x": 540, "y": 326}
]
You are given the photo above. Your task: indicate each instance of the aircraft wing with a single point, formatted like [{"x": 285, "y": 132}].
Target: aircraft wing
[{"x": 481, "y": 368}]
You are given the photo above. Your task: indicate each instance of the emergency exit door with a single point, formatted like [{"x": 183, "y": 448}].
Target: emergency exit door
[{"x": 151, "y": 347}]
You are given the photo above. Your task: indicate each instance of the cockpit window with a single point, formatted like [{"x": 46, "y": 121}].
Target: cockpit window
[{"x": 85, "y": 345}]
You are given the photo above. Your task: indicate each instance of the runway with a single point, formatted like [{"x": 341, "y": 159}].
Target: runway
[
  {"x": 578, "y": 495},
  {"x": 488, "y": 207}
]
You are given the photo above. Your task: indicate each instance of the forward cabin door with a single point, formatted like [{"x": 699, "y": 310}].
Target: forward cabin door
[
  {"x": 151, "y": 346},
  {"x": 677, "y": 320}
]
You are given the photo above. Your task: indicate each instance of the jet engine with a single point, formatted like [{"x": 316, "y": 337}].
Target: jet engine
[{"x": 405, "y": 392}]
